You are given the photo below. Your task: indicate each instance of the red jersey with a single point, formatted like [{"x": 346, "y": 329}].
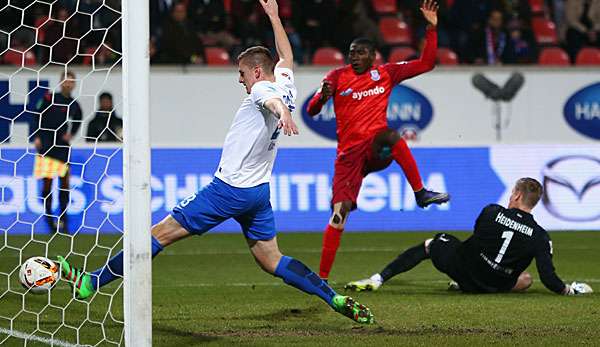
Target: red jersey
[{"x": 360, "y": 101}]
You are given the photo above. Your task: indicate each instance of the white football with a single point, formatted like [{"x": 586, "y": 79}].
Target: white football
[{"x": 38, "y": 274}]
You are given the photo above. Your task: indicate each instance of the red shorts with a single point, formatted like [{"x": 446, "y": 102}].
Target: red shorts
[{"x": 351, "y": 166}]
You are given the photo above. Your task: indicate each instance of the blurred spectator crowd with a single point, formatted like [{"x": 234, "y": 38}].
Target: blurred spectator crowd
[{"x": 483, "y": 32}]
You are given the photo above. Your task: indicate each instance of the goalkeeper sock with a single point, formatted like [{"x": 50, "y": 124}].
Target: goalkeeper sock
[
  {"x": 298, "y": 275},
  {"x": 404, "y": 262},
  {"x": 331, "y": 243},
  {"x": 114, "y": 268},
  {"x": 402, "y": 155}
]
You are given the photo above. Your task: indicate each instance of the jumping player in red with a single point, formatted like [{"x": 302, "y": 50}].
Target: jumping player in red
[{"x": 366, "y": 144}]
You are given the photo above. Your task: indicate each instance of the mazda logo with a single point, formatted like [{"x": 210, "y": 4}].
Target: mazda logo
[{"x": 572, "y": 188}]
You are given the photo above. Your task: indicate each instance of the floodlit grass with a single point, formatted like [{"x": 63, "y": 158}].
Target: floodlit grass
[{"x": 208, "y": 290}]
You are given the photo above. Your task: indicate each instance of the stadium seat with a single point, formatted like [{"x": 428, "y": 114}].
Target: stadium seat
[
  {"x": 15, "y": 58},
  {"x": 216, "y": 56},
  {"x": 401, "y": 54},
  {"x": 537, "y": 7},
  {"x": 553, "y": 56},
  {"x": 588, "y": 56},
  {"x": 395, "y": 31},
  {"x": 384, "y": 7},
  {"x": 328, "y": 56},
  {"x": 544, "y": 31},
  {"x": 87, "y": 57},
  {"x": 446, "y": 56},
  {"x": 379, "y": 58}
]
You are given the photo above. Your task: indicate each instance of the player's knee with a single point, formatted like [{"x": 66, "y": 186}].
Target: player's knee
[
  {"x": 340, "y": 214},
  {"x": 388, "y": 137},
  {"x": 168, "y": 231}
]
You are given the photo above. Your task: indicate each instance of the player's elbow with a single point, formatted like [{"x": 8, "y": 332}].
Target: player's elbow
[{"x": 286, "y": 60}]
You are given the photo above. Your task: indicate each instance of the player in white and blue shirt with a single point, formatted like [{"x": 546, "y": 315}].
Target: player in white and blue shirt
[{"x": 240, "y": 188}]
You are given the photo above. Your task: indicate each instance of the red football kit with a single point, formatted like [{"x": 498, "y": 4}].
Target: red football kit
[{"x": 360, "y": 103}]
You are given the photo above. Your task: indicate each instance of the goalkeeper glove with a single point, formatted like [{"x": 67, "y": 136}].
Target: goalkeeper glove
[{"x": 577, "y": 288}]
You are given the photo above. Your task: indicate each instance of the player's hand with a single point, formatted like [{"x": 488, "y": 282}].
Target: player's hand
[
  {"x": 67, "y": 137},
  {"x": 287, "y": 124},
  {"x": 271, "y": 8},
  {"x": 37, "y": 143},
  {"x": 429, "y": 9},
  {"x": 326, "y": 90},
  {"x": 577, "y": 288}
]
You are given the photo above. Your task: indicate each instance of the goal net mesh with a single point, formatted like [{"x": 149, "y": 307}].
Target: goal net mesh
[{"x": 39, "y": 42}]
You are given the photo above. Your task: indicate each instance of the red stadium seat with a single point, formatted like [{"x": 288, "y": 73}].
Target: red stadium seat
[
  {"x": 395, "y": 31},
  {"x": 328, "y": 56},
  {"x": 588, "y": 56},
  {"x": 383, "y": 7},
  {"x": 553, "y": 56},
  {"x": 544, "y": 31},
  {"x": 216, "y": 56},
  {"x": 537, "y": 7},
  {"x": 379, "y": 58},
  {"x": 16, "y": 58},
  {"x": 401, "y": 54},
  {"x": 87, "y": 58},
  {"x": 446, "y": 56},
  {"x": 285, "y": 9}
]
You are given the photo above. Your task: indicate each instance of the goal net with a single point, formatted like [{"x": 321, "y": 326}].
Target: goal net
[{"x": 44, "y": 46}]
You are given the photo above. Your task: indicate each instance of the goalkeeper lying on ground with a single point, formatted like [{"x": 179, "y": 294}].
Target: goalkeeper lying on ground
[{"x": 493, "y": 259}]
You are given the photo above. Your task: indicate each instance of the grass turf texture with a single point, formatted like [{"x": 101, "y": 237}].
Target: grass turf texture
[{"x": 208, "y": 290}]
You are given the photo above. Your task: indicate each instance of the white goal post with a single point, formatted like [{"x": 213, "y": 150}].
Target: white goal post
[{"x": 137, "y": 267}]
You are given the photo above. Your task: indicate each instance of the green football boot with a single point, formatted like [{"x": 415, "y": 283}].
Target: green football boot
[
  {"x": 352, "y": 309},
  {"x": 81, "y": 281}
]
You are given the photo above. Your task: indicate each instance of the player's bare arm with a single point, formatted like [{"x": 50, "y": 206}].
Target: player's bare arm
[
  {"x": 282, "y": 44},
  {"x": 278, "y": 108},
  {"x": 429, "y": 10}
]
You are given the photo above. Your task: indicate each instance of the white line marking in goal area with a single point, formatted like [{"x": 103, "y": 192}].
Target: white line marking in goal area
[{"x": 28, "y": 337}]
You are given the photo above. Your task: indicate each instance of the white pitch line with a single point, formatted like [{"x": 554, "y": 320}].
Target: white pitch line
[
  {"x": 28, "y": 337},
  {"x": 306, "y": 250}
]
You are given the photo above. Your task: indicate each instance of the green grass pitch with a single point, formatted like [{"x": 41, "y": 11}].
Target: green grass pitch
[{"x": 208, "y": 290}]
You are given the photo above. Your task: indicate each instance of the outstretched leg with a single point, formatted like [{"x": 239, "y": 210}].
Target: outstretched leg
[
  {"x": 86, "y": 284},
  {"x": 404, "y": 262},
  {"x": 332, "y": 236},
  {"x": 295, "y": 273}
]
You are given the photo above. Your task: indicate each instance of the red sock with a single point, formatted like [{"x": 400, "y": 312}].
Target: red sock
[
  {"x": 331, "y": 243},
  {"x": 405, "y": 159}
]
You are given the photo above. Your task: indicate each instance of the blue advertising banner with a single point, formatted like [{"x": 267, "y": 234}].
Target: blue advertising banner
[{"x": 300, "y": 189}]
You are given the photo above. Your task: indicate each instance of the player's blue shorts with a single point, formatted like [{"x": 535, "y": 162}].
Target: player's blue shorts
[{"x": 218, "y": 201}]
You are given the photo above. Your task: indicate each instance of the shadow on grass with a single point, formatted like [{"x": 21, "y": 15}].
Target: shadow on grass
[
  {"x": 187, "y": 336},
  {"x": 288, "y": 314}
]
